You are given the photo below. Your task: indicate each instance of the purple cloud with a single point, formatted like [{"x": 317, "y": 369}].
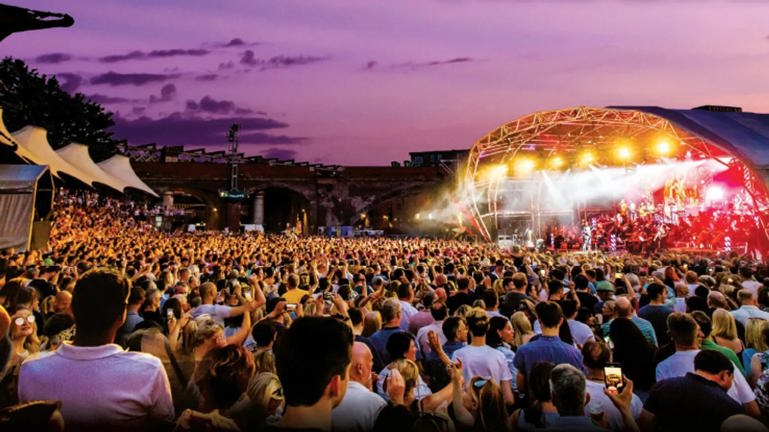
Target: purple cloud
[
  {"x": 141, "y": 55},
  {"x": 179, "y": 129},
  {"x": 69, "y": 82},
  {"x": 249, "y": 59},
  {"x": 167, "y": 93},
  {"x": 137, "y": 79},
  {"x": 209, "y": 105},
  {"x": 225, "y": 66},
  {"x": 284, "y": 61},
  {"x": 235, "y": 42},
  {"x": 53, "y": 58},
  {"x": 106, "y": 99},
  {"x": 412, "y": 65},
  {"x": 370, "y": 65},
  {"x": 207, "y": 77},
  {"x": 279, "y": 153}
]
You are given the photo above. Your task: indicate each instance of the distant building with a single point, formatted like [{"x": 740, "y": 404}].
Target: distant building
[{"x": 446, "y": 159}]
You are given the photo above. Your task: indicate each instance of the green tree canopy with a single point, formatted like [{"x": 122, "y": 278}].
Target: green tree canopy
[{"x": 29, "y": 98}]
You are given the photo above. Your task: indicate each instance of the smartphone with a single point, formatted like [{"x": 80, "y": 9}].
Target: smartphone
[
  {"x": 618, "y": 275},
  {"x": 290, "y": 307},
  {"x": 613, "y": 377},
  {"x": 328, "y": 295},
  {"x": 170, "y": 314}
]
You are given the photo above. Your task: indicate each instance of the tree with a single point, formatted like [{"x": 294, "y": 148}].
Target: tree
[{"x": 29, "y": 98}]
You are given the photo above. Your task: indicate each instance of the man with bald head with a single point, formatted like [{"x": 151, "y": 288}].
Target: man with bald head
[
  {"x": 62, "y": 302},
  {"x": 360, "y": 406},
  {"x": 624, "y": 309}
]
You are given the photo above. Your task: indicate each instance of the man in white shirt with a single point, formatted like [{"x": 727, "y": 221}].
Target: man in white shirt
[
  {"x": 220, "y": 312},
  {"x": 479, "y": 359},
  {"x": 361, "y": 406},
  {"x": 748, "y": 308},
  {"x": 101, "y": 387},
  {"x": 405, "y": 296},
  {"x": 596, "y": 355},
  {"x": 439, "y": 313},
  {"x": 687, "y": 336}
]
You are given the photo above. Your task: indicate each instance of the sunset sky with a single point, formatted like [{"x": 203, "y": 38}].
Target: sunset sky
[{"x": 364, "y": 82}]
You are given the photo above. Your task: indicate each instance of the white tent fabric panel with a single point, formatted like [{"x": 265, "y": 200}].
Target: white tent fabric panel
[
  {"x": 77, "y": 155},
  {"x": 33, "y": 146},
  {"x": 5, "y": 136},
  {"x": 120, "y": 166}
]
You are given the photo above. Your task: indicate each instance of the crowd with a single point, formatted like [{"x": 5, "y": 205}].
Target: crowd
[{"x": 119, "y": 326}]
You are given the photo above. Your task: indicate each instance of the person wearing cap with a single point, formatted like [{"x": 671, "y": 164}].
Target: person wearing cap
[
  {"x": 605, "y": 291},
  {"x": 656, "y": 312}
]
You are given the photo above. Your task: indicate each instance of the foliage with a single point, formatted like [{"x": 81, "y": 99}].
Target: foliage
[{"x": 28, "y": 98}]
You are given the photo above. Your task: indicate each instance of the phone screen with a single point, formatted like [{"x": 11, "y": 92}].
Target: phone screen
[
  {"x": 613, "y": 377},
  {"x": 290, "y": 307}
]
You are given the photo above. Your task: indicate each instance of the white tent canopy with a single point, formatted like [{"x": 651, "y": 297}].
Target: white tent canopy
[
  {"x": 33, "y": 146},
  {"x": 77, "y": 155},
  {"x": 5, "y": 136},
  {"x": 119, "y": 166}
]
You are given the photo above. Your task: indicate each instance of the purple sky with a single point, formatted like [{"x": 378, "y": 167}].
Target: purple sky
[{"x": 361, "y": 82}]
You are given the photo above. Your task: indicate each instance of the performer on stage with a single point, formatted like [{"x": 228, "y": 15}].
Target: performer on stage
[{"x": 587, "y": 236}]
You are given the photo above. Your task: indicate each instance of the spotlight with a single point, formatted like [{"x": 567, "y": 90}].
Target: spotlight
[
  {"x": 497, "y": 172},
  {"x": 714, "y": 193},
  {"x": 624, "y": 153},
  {"x": 663, "y": 147},
  {"x": 556, "y": 162},
  {"x": 523, "y": 166},
  {"x": 587, "y": 158}
]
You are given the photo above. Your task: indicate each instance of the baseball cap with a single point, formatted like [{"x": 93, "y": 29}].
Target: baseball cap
[{"x": 604, "y": 286}]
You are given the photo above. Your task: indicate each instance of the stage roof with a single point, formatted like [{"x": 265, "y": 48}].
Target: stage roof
[{"x": 743, "y": 134}]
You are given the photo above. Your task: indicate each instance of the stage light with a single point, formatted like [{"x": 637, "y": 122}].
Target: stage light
[
  {"x": 497, "y": 172},
  {"x": 714, "y": 193},
  {"x": 556, "y": 162},
  {"x": 523, "y": 166},
  {"x": 663, "y": 147},
  {"x": 624, "y": 153},
  {"x": 587, "y": 158}
]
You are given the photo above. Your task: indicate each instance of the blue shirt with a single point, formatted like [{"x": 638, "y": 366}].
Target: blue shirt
[
  {"x": 546, "y": 348},
  {"x": 379, "y": 341}
]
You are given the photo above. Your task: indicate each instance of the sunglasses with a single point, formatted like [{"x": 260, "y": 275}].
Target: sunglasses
[{"x": 20, "y": 320}]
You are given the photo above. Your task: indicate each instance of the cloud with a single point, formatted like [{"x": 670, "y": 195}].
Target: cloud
[
  {"x": 433, "y": 63},
  {"x": 225, "y": 66},
  {"x": 107, "y": 99},
  {"x": 136, "y": 79},
  {"x": 53, "y": 58},
  {"x": 284, "y": 62},
  {"x": 235, "y": 42},
  {"x": 209, "y": 105},
  {"x": 69, "y": 82},
  {"x": 370, "y": 65},
  {"x": 207, "y": 77},
  {"x": 182, "y": 129},
  {"x": 167, "y": 93},
  {"x": 279, "y": 153},
  {"x": 249, "y": 59},
  {"x": 141, "y": 55},
  {"x": 278, "y": 62}
]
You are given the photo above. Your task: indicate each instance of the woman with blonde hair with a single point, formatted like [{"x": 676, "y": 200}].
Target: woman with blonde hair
[
  {"x": 266, "y": 394},
  {"x": 759, "y": 362},
  {"x": 725, "y": 331},
  {"x": 754, "y": 340},
  {"x": 522, "y": 331},
  {"x": 23, "y": 334},
  {"x": 372, "y": 323},
  {"x": 481, "y": 406}
]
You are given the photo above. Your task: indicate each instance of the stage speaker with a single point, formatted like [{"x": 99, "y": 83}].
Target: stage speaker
[{"x": 40, "y": 232}]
